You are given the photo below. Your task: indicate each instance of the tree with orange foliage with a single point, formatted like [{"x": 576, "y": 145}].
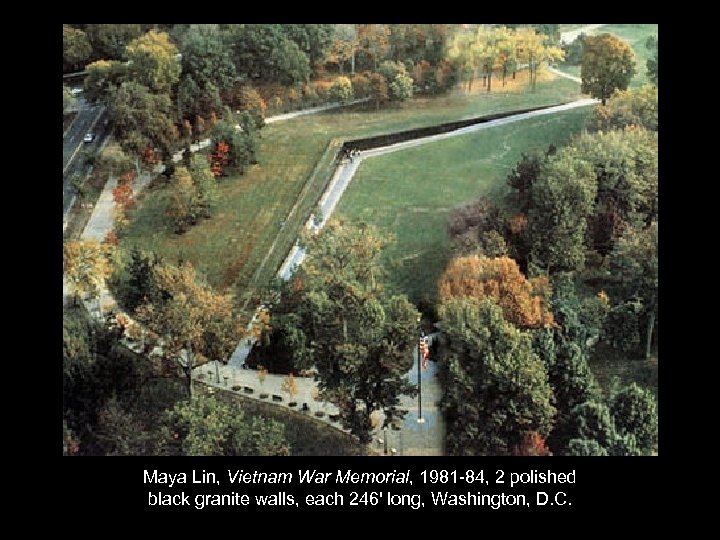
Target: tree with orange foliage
[
  {"x": 123, "y": 196},
  {"x": 523, "y": 301}
]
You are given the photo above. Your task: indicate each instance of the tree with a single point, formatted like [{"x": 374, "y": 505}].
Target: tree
[
  {"x": 194, "y": 323},
  {"x": 378, "y": 89},
  {"x": 206, "y": 191},
  {"x": 521, "y": 300},
  {"x": 197, "y": 101},
  {"x": 608, "y": 63},
  {"x": 265, "y": 52},
  {"x": 182, "y": 200},
  {"x": 632, "y": 107},
  {"x": 634, "y": 262},
  {"x": 115, "y": 161},
  {"x": 532, "y": 48},
  {"x": 361, "y": 86},
  {"x": 140, "y": 286},
  {"x": 573, "y": 384},
  {"x": 206, "y": 57},
  {"x": 626, "y": 174},
  {"x": 241, "y": 143},
  {"x": 247, "y": 98},
  {"x": 103, "y": 77},
  {"x": 154, "y": 61},
  {"x": 634, "y": 410},
  {"x": 574, "y": 51},
  {"x": 344, "y": 46},
  {"x": 401, "y": 87},
  {"x": 109, "y": 40},
  {"x": 585, "y": 447},
  {"x": 86, "y": 267},
  {"x": 76, "y": 47},
  {"x": 652, "y": 62},
  {"x": 374, "y": 41},
  {"x": 563, "y": 196},
  {"x": 141, "y": 118},
  {"x": 523, "y": 176},
  {"x": 580, "y": 320},
  {"x": 591, "y": 420},
  {"x": 496, "y": 388},
  {"x": 314, "y": 40},
  {"x": 206, "y": 426},
  {"x": 341, "y": 91},
  {"x": 335, "y": 315},
  {"x": 68, "y": 99}
]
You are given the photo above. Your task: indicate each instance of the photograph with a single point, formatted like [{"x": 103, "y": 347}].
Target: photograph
[{"x": 367, "y": 240}]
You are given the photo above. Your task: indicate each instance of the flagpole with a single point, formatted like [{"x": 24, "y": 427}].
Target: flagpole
[{"x": 420, "y": 419}]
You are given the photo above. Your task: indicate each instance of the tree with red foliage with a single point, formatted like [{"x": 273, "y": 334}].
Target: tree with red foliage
[{"x": 219, "y": 158}]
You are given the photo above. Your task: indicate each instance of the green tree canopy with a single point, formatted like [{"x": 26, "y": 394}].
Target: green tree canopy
[
  {"x": 154, "y": 61},
  {"x": 103, "y": 77},
  {"x": 110, "y": 40},
  {"x": 335, "y": 315},
  {"x": 76, "y": 48},
  {"x": 206, "y": 56},
  {"x": 632, "y": 107},
  {"x": 206, "y": 426},
  {"x": 496, "y": 387},
  {"x": 141, "y": 118},
  {"x": 634, "y": 410},
  {"x": 563, "y": 198}
]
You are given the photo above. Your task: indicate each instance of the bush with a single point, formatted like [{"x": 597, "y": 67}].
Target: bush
[
  {"x": 341, "y": 90},
  {"x": 361, "y": 86},
  {"x": 401, "y": 87}
]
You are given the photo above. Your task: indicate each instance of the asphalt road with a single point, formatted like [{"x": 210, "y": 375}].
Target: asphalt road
[{"x": 89, "y": 119}]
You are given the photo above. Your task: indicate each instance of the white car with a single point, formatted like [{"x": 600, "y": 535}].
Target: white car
[{"x": 90, "y": 137}]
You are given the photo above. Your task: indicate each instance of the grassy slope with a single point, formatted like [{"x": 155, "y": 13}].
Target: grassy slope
[
  {"x": 411, "y": 192},
  {"x": 635, "y": 35},
  {"x": 231, "y": 245}
]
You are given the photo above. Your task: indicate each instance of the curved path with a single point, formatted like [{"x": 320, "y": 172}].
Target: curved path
[{"x": 569, "y": 37}]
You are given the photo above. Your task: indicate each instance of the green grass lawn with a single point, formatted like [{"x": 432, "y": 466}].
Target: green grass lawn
[
  {"x": 636, "y": 35},
  {"x": 229, "y": 247},
  {"x": 410, "y": 193}
]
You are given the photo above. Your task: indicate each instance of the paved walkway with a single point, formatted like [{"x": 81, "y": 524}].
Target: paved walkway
[{"x": 569, "y": 37}]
